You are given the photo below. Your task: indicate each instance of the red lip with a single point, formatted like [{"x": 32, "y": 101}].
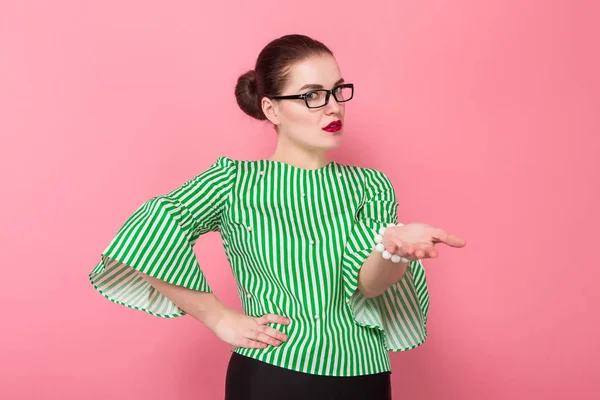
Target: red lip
[{"x": 333, "y": 126}]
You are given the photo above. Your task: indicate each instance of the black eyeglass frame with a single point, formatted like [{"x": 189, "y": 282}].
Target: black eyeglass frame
[{"x": 328, "y": 94}]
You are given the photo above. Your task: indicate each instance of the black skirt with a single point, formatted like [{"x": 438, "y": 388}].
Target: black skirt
[{"x": 250, "y": 379}]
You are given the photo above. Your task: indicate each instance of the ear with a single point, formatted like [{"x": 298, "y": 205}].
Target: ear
[{"x": 271, "y": 110}]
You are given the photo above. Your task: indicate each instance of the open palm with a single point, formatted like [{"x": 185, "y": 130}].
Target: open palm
[{"x": 417, "y": 240}]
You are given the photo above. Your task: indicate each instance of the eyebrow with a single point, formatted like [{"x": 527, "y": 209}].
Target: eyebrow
[{"x": 315, "y": 86}]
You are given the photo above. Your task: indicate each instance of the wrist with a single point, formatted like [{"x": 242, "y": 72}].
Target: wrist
[
  {"x": 211, "y": 310},
  {"x": 381, "y": 247}
]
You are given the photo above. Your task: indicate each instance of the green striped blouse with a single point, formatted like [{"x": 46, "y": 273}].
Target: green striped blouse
[{"x": 296, "y": 240}]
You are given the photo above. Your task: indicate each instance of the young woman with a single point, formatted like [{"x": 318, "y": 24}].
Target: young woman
[{"x": 329, "y": 282}]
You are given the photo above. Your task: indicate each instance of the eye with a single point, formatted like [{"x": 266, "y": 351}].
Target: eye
[
  {"x": 338, "y": 89},
  {"x": 312, "y": 95}
]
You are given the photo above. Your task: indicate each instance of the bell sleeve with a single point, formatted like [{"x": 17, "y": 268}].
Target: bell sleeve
[
  {"x": 401, "y": 311},
  {"x": 158, "y": 239}
]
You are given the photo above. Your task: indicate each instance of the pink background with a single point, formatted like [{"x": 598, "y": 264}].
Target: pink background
[{"x": 485, "y": 116}]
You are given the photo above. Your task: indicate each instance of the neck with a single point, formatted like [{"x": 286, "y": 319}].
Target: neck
[{"x": 298, "y": 156}]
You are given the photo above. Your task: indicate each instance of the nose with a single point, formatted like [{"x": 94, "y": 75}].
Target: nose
[{"x": 332, "y": 106}]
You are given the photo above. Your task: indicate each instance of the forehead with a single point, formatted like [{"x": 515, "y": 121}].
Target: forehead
[{"x": 320, "y": 70}]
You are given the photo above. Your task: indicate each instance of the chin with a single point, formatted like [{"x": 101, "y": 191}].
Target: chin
[
  {"x": 332, "y": 145},
  {"x": 336, "y": 140},
  {"x": 324, "y": 143}
]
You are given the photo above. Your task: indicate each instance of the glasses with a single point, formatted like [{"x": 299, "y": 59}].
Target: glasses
[{"x": 320, "y": 97}]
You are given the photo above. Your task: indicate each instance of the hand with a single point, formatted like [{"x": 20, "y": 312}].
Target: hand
[
  {"x": 416, "y": 240},
  {"x": 241, "y": 330}
]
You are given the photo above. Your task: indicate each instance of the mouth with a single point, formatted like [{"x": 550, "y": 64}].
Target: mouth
[{"x": 333, "y": 126}]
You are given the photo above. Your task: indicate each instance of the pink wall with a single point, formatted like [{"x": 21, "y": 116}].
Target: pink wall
[{"x": 485, "y": 116}]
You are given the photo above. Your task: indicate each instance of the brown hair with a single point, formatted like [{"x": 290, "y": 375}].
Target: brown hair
[{"x": 269, "y": 76}]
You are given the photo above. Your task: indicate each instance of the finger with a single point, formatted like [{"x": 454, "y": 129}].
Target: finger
[
  {"x": 418, "y": 250},
  {"x": 419, "y": 253},
  {"x": 407, "y": 251},
  {"x": 391, "y": 247},
  {"x": 272, "y": 318},
  {"x": 428, "y": 251},
  {"x": 423, "y": 253},
  {"x": 400, "y": 250},
  {"x": 440, "y": 235},
  {"x": 431, "y": 251},
  {"x": 252, "y": 344},
  {"x": 261, "y": 337},
  {"x": 274, "y": 333}
]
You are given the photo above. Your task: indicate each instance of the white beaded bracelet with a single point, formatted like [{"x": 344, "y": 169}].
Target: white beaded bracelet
[{"x": 381, "y": 248}]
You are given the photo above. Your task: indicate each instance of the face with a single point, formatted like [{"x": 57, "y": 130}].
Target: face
[{"x": 302, "y": 125}]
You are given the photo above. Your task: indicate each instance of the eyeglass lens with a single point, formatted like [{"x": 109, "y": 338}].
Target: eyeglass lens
[{"x": 317, "y": 98}]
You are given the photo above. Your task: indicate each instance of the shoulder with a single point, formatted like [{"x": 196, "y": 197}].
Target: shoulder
[
  {"x": 371, "y": 177},
  {"x": 234, "y": 165},
  {"x": 221, "y": 171},
  {"x": 225, "y": 163},
  {"x": 222, "y": 167}
]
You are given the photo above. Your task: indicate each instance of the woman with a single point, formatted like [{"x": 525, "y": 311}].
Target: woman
[{"x": 329, "y": 283}]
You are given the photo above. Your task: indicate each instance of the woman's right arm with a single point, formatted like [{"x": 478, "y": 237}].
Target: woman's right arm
[
  {"x": 153, "y": 252},
  {"x": 230, "y": 326}
]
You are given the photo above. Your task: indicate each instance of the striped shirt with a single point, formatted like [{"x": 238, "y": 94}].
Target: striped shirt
[{"x": 296, "y": 240}]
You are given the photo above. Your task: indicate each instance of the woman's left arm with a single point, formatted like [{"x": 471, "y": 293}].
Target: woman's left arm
[
  {"x": 377, "y": 274},
  {"x": 413, "y": 242}
]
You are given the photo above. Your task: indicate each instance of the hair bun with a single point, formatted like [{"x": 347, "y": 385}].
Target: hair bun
[
  {"x": 271, "y": 70},
  {"x": 247, "y": 97}
]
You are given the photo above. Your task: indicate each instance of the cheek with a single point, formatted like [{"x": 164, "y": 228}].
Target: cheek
[{"x": 301, "y": 117}]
